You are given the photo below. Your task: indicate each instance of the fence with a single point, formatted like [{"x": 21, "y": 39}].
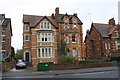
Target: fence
[
  {"x": 75, "y": 66},
  {"x": 7, "y": 65}
]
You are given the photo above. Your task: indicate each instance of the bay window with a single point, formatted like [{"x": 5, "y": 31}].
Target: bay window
[{"x": 45, "y": 52}]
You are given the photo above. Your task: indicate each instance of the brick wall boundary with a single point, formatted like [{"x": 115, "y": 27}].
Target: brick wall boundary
[{"x": 78, "y": 66}]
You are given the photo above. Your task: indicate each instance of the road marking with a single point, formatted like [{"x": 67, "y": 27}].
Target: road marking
[
  {"x": 31, "y": 77},
  {"x": 90, "y": 73},
  {"x": 37, "y": 72},
  {"x": 50, "y": 71}
]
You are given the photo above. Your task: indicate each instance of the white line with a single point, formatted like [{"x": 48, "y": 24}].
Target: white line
[
  {"x": 31, "y": 77},
  {"x": 89, "y": 73},
  {"x": 37, "y": 72}
]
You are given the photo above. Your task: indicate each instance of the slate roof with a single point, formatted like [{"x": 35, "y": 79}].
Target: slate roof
[
  {"x": 33, "y": 20},
  {"x": 104, "y": 29},
  {"x": 60, "y": 18}
]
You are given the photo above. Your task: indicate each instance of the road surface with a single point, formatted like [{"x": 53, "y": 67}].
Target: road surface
[{"x": 110, "y": 73}]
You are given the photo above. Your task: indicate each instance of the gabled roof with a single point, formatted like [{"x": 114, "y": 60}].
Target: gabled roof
[
  {"x": 104, "y": 29},
  {"x": 34, "y": 20},
  {"x": 60, "y": 18}
]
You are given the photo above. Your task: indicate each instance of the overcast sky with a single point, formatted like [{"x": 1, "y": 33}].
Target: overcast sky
[{"x": 97, "y": 11}]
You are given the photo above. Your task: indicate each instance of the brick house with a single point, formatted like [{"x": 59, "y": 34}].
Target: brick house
[
  {"x": 103, "y": 40},
  {"x": 6, "y": 34},
  {"x": 43, "y": 34}
]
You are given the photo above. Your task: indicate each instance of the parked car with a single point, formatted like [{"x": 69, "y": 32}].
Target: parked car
[{"x": 21, "y": 64}]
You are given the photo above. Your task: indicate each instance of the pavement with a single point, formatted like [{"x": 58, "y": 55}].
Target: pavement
[{"x": 72, "y": 71}]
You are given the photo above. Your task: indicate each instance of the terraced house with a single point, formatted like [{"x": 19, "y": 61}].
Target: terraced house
[
  {"x": 43, "y": 34},
  {"x": 6, "y": 34},
  {"x": 103, "y": 40}
]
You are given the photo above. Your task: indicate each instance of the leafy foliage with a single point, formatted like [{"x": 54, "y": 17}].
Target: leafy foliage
[
  {"x": 12, "y": 53},
  {"x": 62, "y": 47},
  {"x": 68, "y": 59},
  {"x": 19, "y": 54},
  {"x": 115, "y": 58}
]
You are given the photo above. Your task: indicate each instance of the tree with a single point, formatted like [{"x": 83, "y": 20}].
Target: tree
[
  {"x": 12, "y": 55},
  {"x": 19, "y": 54},
  {"x": 62, "y": 48}
]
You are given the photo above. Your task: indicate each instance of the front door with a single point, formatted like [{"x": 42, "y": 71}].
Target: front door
[{"x": 27, "y": 57}]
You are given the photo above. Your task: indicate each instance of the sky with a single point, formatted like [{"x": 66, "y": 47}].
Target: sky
[{"x": 96, "y": 11}]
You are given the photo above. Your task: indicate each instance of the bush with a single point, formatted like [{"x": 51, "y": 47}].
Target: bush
[
  {"x": 115, "y": 58},
  {"x": 90, "y": 61},
  {"x": 68, "y": 59}
]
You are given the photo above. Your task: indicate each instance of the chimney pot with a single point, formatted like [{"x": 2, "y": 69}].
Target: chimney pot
[
  {"x": 111, "y": 21},
  {"x": 57, "y": 11}
]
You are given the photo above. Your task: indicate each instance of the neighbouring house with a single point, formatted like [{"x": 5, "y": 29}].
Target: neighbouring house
[
  {"x": 6, "y": 34},
  {"x": 42, "y": 36},
  {"x": 103, "y": 40},
  {"x": 0, "y": 43}
]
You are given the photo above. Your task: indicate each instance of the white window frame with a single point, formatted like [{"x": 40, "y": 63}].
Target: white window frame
[
  {"x": 26, "y": 28},
  {"x": 41, "y": 37},
  {"x": 72, "y": 38},
  {"x": 117, "y": 45},
  {"x": 67, "y": 38},
  {"x": 45, "y": 52},
  {"x": 74, "y": 52},
  {"x": 44, "y": 25},
  {"x": 74, "y": 20},
  {"x": 65, "y": 26},
  {"x": 25, "y": 37},
  {"x": 74, "y": 25},
  {"x": 66, "y": 19},
  {"x": 109, "y": 46},
  {"x": 3, "y": 36},
  {"x": 106, "y": 46}
]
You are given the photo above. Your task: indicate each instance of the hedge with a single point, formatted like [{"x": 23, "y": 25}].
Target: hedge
[{"x": 115, "y": 58}]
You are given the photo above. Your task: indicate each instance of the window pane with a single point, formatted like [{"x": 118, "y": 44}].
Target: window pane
[
  {"x": 44, "y": 25},
  {"x": 53, "y": 37},
  {"x": 3, "y": 38},
  {"x": 41, "y": 26},
  {"x": 74, "y": 20},
  {"x": 73, "y": 38},
  {"x": 49, "y": 52},
  {"x": 46, "y": 55},
  {"x": 66, "y": 26},
  {"x": 74, "y": 25},
  {"x": 42, "y": 36},
  {"x": 38, "y": 36},
  {"x": 45, "y": 36},
  {"x": 43, "y": 52},
  {"x": 52, "y": 52},
  {"x": 48, "y": 25},
  {"x": 67, "y": 39},
  {"x": 26, "y": 28},
  {"x": 49, "y": 37},
  {"x": 26, "y": 37},
  {"x": 68, "y": 51},
  {"x": 74, "y": 52},
  {"x": 39, "y": 52}
]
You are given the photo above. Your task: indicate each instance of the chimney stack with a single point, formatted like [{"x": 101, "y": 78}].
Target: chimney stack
[
  {"x": 53, "y": 16},
  {"x": 111, "y": 21},
  {"x": 57, "y": 11}
]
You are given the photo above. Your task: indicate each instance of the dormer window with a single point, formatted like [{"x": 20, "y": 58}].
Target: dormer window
[
  {"x": 66, "y": 19},
  {"x": 74, "y": 20},
  {"x": 66, "y": 26},
  {"x": 45, "y": 25}
]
